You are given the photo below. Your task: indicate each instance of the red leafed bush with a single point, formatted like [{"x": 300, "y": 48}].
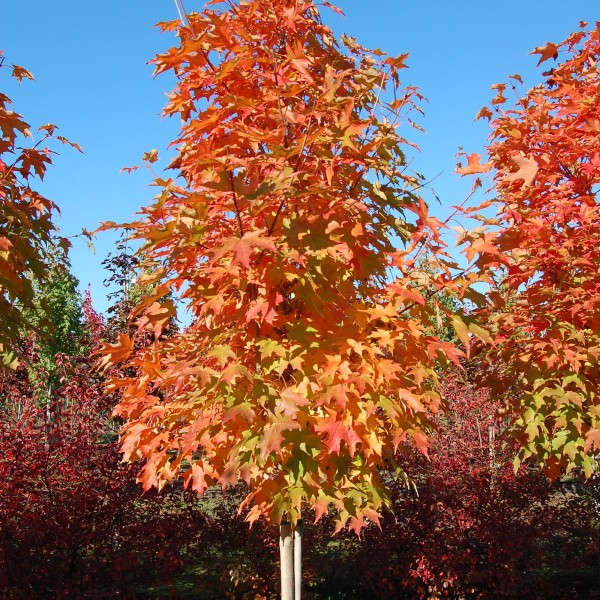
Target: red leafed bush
[{"x": 73, "y": 521}]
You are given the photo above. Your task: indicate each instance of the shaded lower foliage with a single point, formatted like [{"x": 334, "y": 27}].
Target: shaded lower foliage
[{"x": 472, "y": 529}]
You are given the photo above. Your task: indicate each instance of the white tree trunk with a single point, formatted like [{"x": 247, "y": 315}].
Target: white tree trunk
[
  {"x": 286, "y": 556},
  {"x": 298, "y": 531}
]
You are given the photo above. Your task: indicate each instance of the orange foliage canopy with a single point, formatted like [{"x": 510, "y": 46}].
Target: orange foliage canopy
[
  {"x": 546, "y": 312},
  {"x": 310, "y": 358}
]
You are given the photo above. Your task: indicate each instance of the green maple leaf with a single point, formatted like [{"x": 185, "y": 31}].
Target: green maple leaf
[{"x": 272, "y": 437}]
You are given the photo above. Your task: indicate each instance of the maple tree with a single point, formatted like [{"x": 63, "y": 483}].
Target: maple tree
[
  {"x": 26, "y": 227},
  {"x": 295, "y": 240},
  {"x": 323, "y": 306},
  {"x": 545, "y": 311}
]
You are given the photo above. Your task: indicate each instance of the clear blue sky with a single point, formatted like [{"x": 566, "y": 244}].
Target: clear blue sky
[{"x": 92, "y": 80}]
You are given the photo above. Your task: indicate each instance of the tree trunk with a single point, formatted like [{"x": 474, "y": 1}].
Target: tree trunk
[
  {"x": 298, "y": 531},
  {"x": 492, "y": 453},
  {"x": 286, "y": 556},
  {"x": 47, "y": 418}
]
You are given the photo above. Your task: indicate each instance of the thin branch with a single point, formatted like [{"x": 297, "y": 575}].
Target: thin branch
[{"x": 235, "y": 203}]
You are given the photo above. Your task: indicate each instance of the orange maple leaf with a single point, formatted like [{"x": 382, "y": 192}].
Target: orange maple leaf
[
  {"x": 546, "y": 52},
  {"x": 115, "y": 353},
  {"x": 474, "y": 165},
  {"x": 157, "y": 316},
  {"x": 527, "y": 171},
  {"x": 484, "y": 113},
  {"x": 337, "y": 432},
  {"x": 243, "y": 247},
  {"x": 273, "y": 435}
]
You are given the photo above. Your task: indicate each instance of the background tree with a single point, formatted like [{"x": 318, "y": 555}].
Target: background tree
[
  {"x": 56, "y": 318},
  {"x": 122, "y": 266},
  {"x": 26, "y": 227},
  {"x": 546, "y": 314}
]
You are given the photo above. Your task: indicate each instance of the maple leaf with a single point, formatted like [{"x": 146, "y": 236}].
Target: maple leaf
[
  {"x": 290, "y": 402},
  {"x": 484, "y": 113},
  {"x": 546, "y": 52},
  {"x": 398, "y": 61},
  {"x": 272, "y": 435},
  {"x": 527, "y": 170},
  {"x": 474, "y": 166},
  {"x": 243, "y": 247},
  {"x": 592, "y": 441},
  {"x": 222, "y": 353},
  {"x": 19, "y": 73},
  {"x": 412, "y": 400},
  {"x": 198, "y": 479},
  {"x": 337, "y": 431},
  {"x": 49, "y": 128},
  {"x": 157, "y": 316},
  {"x": 151, "y": 156},
  {"x": 516, "y": 77},
  {"x": 483, "y": 244},
  {"x": 243, "y": 410},
  {"x": 116, "y": 353}
]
